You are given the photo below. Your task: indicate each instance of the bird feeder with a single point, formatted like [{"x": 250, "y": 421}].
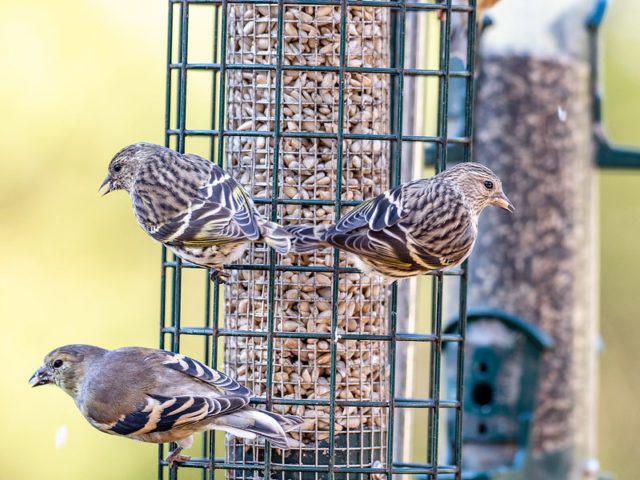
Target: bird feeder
[
  {"x": 307, "y": 107},
  {"x": 534, "y": 129},
  {"x": 502, "y": 364}
]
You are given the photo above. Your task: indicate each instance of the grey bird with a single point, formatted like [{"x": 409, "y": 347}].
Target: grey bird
[
  {"x": 417, "y": 227},
  {"x": 157, "y": 396},
  {"x": 191, "y": 205}
]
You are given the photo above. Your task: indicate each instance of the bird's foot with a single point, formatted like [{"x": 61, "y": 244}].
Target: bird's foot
[
  {"x": 175, "y": 457},
  {"x": 218, "y": 274}
]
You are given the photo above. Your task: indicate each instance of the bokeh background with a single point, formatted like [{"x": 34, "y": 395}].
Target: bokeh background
[{"x": 81, "y": 78}]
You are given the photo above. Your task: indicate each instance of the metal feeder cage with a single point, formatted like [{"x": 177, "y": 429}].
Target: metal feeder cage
[{"x": 308, "y": 110}]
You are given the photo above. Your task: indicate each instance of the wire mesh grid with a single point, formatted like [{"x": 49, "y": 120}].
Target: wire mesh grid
[{"x": 305, "y": 106}]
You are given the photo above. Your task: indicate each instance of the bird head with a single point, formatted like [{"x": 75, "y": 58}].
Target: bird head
[
  {"x": 65, "y": 366},
  {"x": 124, "y": 167},
  {"x": 480, "y": 186}
]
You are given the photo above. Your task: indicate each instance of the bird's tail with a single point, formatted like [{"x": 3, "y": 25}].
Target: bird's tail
[
  {"x": 275, "y": 236},
  {"x": 307, "y": 238},
  {"x": 250, "y": 422}
]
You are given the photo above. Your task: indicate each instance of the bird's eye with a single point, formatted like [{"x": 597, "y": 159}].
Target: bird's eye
[
  {"x": 117, "y": 167},
  {"x": 57, "y": 363},
  {"x": 488, "y": 184}
]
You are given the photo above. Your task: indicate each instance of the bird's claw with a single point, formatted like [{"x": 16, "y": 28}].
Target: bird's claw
[
  {"x": 219, "y": 275},
  {"x": 175, "y": 457}
]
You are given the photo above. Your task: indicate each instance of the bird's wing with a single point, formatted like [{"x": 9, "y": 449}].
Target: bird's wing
[
  {"x": 384, "y": 247},
  {"x": 380, "y": 212},
  {"x": 206, "y": 374},
  {"x": 223, "y": 192},
  {"x": 140, "y": 390},
  {"x": 207, "y": 208},
  {"x": 161, "y": 413}
]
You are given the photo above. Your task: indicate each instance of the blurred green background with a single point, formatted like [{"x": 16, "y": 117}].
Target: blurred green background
[{"x": 81, "y": 78}]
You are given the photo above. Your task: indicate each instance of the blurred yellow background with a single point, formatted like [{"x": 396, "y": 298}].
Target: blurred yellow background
[{"x": 81, "y": 78}]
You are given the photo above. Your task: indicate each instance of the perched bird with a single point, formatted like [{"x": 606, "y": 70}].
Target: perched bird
[
  {"x": 419, "y": 226},
  {"x": 191, "y": 205},
  {"x": 157, "y": 396}
]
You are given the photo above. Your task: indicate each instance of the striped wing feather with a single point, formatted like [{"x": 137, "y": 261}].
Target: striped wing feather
[
  {"x": 161, "y": 413},
  {"x": 223, "y": 192},
  {"x": 199, "y": 370},
  {"x": 379, "y": 247},
  {"x": 221, "y": 212},
  {"x": 380, "y": 212},
  {"x": 164, "y": 413}
]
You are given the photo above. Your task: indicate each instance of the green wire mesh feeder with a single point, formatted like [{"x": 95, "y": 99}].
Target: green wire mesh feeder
[{"x": 306, "y": 103}]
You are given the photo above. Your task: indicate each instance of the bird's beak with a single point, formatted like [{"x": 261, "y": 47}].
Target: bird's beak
[
  {"x": 109, "y": 183},
  {"x": 503, "y": 202},
  {"x": 40, "y": 377}
]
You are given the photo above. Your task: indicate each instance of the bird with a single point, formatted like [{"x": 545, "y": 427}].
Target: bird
[
  {"x": 417, "y": 227},
  {"x": 158, "y": 396},
  {"x": 191, "y": 205}
]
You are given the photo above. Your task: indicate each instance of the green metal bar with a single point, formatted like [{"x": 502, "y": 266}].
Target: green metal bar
[
  {"x": 607, "y": 155},
  {"x": 349, "y": 3},
  {"x": 163, "y": 254},
  {"x": 333, "y": 136},
  {"x": 161, "y": 342},
  {"x": 181, "y": 112},
  {"x": 310, "y": 268},
  {"x": 214, "y": 305},
  {"x": 437, "y": 296},
  {"x": 393, "y": 319},
  {"x": 443, "y": 111},
  {"x": 470, "y": 84},
  {"x": 399, "y": 23},
  {"x": 462, "y": 331},
  {"x": 163, "y": 295},
  {"x": 168, "y": 82},
  {"x": 400, "y": 403},
  {"x": 402, "y": 336},
  {"x": 207, "y": 359},
  {"x": 220, "y": 119},
  {"x": 434, "y": 382},
  {"x": 211, "y": 317},
  {"x": 398, "y": 469},
  {"x": 262, "y": 267},
  {"x": 223, "y": 83},
  {"x": 182, "y": 79},
  {"x": 336, "y": 253},
  {"x": 614, "y": 156},
  {"x": 214, "y": 81},
  {"x": 180, "y": 120},
  {"x": 274, "y": 216},
  {"x": 208, "y": 437},
  {"x": 214, "y": 354},
  {"x": 462, "y": 306},
  {"x": 322, "y": 68},
  {"x": 295, "y": 201}
]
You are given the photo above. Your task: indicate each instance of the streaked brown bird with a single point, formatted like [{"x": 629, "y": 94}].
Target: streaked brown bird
[
  {"x": 414, "y": 228},
  {"x": 158, "y": 397},
  {"x": 191, "y": 205}
]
